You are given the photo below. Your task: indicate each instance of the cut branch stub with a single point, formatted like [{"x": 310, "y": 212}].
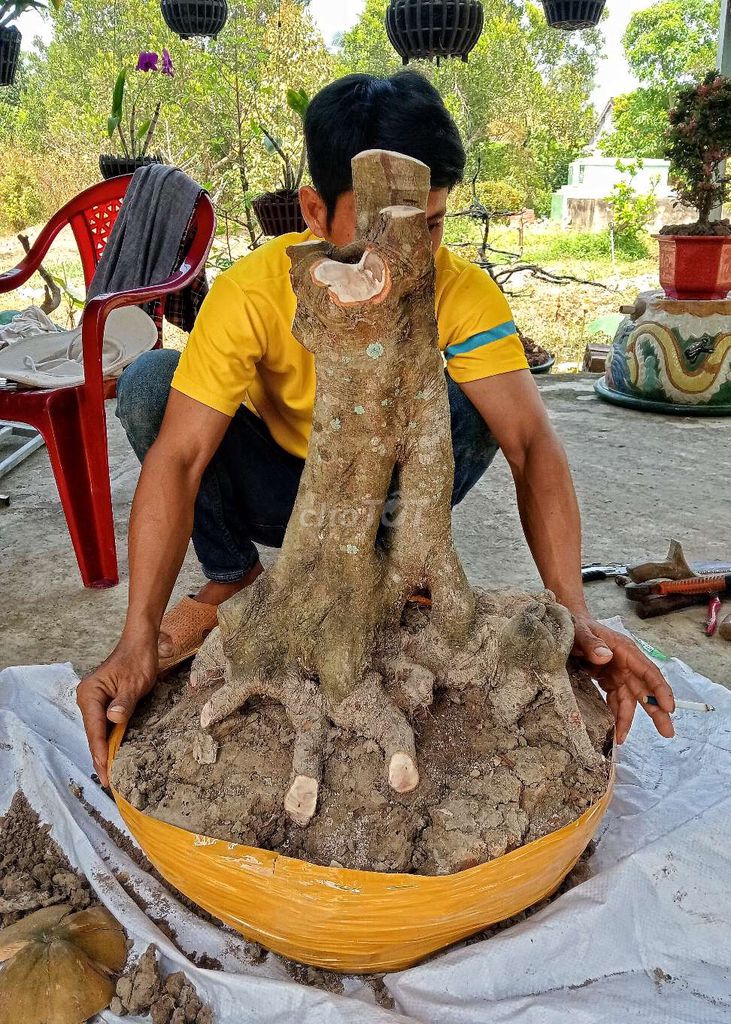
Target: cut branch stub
[
  {"x": 352, "y": 284},
  {"x": 382, "y": 179}
]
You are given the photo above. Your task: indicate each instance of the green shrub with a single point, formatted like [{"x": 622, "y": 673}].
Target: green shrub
[
  {"x": 494, "y": 195},
  {"x": 21, "y": 203},
  {"x": 577, "y": 245},
  {"x": 588, "y": 245},
  {"x": 632, "y": 212},
  {"x": 39, "y": 184}
]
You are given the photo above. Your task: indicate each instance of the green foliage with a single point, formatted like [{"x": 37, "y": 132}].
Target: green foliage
[
  {"x": 699, "y": 140},
  {"x": 632, "y": 212},
  {"x": 10, "y": 12},
  {"x": 522, "y": 102},
  {"x": 665, "y": 44},
  {"x": 573, "y": 245},
  {"x": 639, "y": 119},
  {"x": 22, "y": 203},
  {"x": 298, "y": 101},
  {"x": 495, "y": 196},
  {"x": 588, "y": 245},
  {"x": 672, "y": 40},
  {"x": 293, "y": 169}
]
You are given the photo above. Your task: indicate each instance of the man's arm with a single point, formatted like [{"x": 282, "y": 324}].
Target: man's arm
[
  {"x": 512, "y": 407},
  {"x": 161, "y": 524}
]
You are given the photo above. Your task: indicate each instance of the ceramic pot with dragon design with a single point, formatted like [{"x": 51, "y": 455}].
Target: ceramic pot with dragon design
[{"x": 673, "y": 356}]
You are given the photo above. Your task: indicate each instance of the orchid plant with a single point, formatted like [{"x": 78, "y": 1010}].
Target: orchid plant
[
  {"x": 293, "y": 169},
  {"x": 10, "y": 12},
  {"x": 135, "y": 135}
]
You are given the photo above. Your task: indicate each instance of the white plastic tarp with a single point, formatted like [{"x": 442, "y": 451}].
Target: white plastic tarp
[{"x": 647, "y": 938}]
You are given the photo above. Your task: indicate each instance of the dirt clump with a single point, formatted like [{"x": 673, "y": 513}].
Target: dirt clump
[
  {"x": 171, "y": 1000},
  {"x": 34, "y": 873},
  {"x": 485, "y": 789}
]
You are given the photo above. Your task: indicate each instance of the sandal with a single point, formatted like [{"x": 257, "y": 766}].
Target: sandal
[{"x": 187, "y": 624}]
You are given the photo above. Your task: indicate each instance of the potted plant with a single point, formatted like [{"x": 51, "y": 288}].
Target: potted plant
[
  {"x": 10, "y": 36},
  {"x": 134, "y": 132},
  {"x": 279, "y": 212},
  {"x": 695, "y": 259},
  {"x": 189, "y": 18},
  {"x": 425, "y": 29},
  {"x": 573, "y": 14}
]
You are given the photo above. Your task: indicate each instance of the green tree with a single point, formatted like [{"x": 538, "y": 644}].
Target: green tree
[
  {"x": 672, "y": 42},
  {"x": 522, "y": 102},
  {"x": 57, "y": 117}
]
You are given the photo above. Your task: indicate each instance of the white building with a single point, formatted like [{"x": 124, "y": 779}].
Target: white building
[{"x": 582, "y": 203}]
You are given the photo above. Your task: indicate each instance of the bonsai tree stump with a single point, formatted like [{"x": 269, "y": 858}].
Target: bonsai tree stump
[{"x": 323, "y": 632}]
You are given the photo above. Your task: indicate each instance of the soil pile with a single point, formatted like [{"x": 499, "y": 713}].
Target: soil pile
[
  {"x": 171, "y": 1000},
  {"x": 484, "y": 790},
  {"x": 34, "y": 873}
]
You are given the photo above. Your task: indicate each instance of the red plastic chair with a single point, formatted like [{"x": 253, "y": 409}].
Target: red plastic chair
[{"x": 72, "y": 420}]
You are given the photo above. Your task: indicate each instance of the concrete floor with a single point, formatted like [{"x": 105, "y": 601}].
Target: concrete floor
[{"x": 642, "y": 479}]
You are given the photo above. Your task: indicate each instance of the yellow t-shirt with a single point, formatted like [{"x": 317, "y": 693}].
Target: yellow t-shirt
[{"x": 242, "y": 350}]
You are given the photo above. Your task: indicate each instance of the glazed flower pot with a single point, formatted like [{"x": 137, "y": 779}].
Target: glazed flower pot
[
  {"x": 424, "y": 29},
  {"x": 9, "y": 54},
  {"x": 573, "y": 14},
  {"x": 695, "y": 266},
  {"x": 112, "y": 166},
  {"x": 279, "y": 213},
  {"x": 671, "y": 356},
  {"x": 189, "y": 18}
]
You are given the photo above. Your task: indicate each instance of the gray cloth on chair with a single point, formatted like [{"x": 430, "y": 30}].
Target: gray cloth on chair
[{"x": 144, "y": 247}]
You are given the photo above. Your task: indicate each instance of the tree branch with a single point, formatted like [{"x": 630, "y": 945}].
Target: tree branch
[
  {"x": 501, "y": 276},
  {"x": 53, "y": 292}
]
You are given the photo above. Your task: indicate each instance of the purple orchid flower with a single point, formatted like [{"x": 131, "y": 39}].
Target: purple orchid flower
[
  {"x": 147, "y": 61},
  {"x": 167, "y": 64}
]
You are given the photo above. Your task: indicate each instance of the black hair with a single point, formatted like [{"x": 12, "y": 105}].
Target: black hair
[{"x": 403, "y": 113}]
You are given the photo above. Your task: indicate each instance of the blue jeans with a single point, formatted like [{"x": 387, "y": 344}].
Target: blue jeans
[{"x": 248, "y": 490}]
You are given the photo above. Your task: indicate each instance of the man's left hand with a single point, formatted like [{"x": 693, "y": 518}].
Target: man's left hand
[{"x": 625, "y": 674}]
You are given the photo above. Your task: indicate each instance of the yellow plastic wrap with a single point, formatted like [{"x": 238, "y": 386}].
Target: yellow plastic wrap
[{"x": 358, "y": 922}]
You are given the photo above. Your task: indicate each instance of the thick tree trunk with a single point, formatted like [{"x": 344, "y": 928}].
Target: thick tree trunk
[{"x": 322, "y": 631}]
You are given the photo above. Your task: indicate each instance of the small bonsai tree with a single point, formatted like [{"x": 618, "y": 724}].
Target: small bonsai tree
[
  {"x": 699, "y": 141},
  {"x": 293, "y": 168},
  {"x": 10, "y": 12}
]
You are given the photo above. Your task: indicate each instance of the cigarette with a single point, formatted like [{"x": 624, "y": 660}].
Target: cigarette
[{"x": 681, "y": 705}]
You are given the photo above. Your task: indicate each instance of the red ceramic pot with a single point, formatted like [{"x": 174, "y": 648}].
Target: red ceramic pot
[{"x": 695, "y": 266}]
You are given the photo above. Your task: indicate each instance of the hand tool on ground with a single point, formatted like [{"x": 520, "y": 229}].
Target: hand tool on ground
[
  {"x": 675, "y": 567},
  {"x": 597, "y": 571},
  {"x": 714, "y": 607},
  {"x": 707, "y": 585},
  {"x": 681, "y": 705},
  {"x": 652, "y": 570},
  {"x": 651, "y": 607}
]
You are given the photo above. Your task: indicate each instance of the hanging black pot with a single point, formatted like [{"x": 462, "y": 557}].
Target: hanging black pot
[
  {"x": 425, "y": 29},
  {"x": 279, "y": 213},
  {"x": 573, "y": 14},
  {"x": 9, "y": 54},
  {"x": 190, "y": 18},
  {"x": 111, "y": 166}
]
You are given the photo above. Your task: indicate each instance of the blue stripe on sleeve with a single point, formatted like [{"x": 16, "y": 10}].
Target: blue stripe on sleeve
[{"x": 479, "y": 340}]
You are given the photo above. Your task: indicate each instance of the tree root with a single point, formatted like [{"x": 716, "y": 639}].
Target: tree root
[{"x": 515, "y": 653}]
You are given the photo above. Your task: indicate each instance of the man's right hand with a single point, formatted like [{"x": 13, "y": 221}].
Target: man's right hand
[{"x": 112, "y": 692}]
